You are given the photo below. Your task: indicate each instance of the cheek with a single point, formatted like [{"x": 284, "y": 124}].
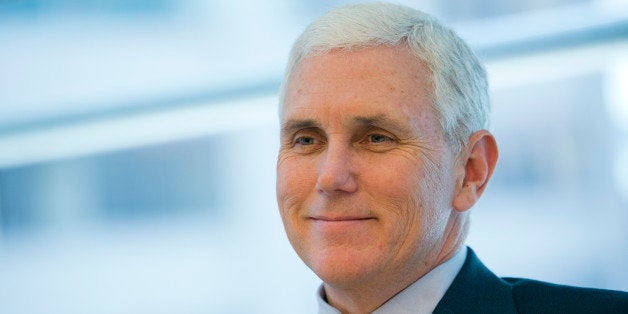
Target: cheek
[
  {"x": 398, "y": 181},
  {"x": 407, "y": 205},
  {"x": 294, "y": 181},
  {"x": 397, "y": 190}
]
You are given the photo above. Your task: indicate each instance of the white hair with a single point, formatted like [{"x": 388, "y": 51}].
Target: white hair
[{"x": 460, "y": 87}]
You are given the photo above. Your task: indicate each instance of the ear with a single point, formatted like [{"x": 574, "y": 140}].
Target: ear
[{"x": 476, "y": 164}]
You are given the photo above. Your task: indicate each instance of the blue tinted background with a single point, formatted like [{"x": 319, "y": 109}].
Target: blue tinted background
[{"x": 138, "y": 142}]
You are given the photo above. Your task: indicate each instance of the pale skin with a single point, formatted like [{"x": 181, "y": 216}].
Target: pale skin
[{"x": 371, "y": 195}]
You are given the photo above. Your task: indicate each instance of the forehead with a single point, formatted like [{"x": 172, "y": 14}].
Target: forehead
[{"x": 382, "y": 79}]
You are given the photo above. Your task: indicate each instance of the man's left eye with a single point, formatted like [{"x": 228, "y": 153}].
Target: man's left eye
[{"x": 378, "y": 138}]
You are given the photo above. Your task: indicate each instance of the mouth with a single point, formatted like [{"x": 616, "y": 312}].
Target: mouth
[
  {"x": 342, "y": 226},
  {"x": 332, "y": 219}
]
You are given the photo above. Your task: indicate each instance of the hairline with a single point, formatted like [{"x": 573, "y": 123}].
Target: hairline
[
  {"x": 458, "y": 79},
  {"x": 403, "y": 43}
]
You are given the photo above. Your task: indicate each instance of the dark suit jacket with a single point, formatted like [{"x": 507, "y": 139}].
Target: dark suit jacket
[{"x": 477, "y": 290}]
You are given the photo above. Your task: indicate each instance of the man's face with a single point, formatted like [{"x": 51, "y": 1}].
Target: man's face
[{"x": 364, "y": 178}]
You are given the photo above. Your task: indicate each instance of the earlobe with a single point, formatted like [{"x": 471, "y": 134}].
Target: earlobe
[
  {"x": 465, "y": 198},
  {"x": 477, "y": 168}
]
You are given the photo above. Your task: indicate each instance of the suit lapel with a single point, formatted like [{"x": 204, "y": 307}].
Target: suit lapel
[{"x": 477, "y": 290}]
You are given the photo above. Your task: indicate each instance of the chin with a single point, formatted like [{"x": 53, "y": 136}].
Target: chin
[{"x": 342, "y": 266}]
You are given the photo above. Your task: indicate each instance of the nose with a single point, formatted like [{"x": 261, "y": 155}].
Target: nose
[{"x": 335, "y": 171}]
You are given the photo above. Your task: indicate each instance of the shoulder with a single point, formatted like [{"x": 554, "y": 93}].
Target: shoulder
[
  {"x": 478, "y": 290},
  {"x": 534, "y": 296}
]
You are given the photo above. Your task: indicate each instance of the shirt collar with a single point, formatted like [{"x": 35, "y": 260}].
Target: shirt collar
[{"x": 420, "y": 297}]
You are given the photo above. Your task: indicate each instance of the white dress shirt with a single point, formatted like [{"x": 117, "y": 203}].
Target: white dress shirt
[{"x": 420, "y": 297}]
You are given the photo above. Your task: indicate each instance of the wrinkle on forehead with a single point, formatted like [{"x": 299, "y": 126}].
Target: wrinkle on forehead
[
  {"x": 391, "y": 57},
  {"x": 381, "y": 79}
]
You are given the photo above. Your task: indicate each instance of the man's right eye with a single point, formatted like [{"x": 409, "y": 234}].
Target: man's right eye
[
  {"x": 307, "y": 144},
  {"x": 304, "y": 140}
]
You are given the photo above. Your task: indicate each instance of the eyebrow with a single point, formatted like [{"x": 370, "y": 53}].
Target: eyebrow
[
  {"x": 379, "y": 120},
  {"x": 293, "y": 125}
]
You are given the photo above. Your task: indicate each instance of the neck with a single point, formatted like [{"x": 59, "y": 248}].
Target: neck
[{"x": 365, "y": 299}]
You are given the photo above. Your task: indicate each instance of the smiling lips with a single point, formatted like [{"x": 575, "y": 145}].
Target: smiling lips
[
  {"x": 340, "y": 223},
  {"x": 339, "y": 219},
  {"x": 342, "y": 226}
]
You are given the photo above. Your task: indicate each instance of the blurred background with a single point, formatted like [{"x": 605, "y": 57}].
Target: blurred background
[{"x": 138, "y": 142}]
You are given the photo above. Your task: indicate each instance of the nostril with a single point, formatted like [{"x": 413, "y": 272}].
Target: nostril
[{"x": 336, "y": 175}]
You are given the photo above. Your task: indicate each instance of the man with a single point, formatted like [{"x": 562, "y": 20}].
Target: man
[{"x": 384, "y": 150}]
